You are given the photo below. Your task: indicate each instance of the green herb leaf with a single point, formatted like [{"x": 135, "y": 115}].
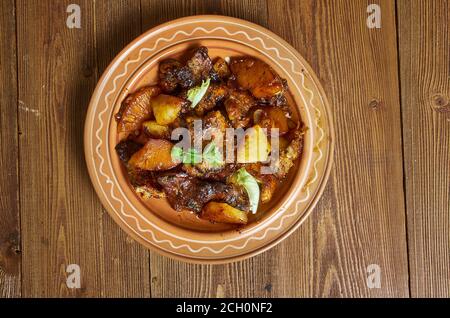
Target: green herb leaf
[
  {"x": 195, "y": 94},
  {"x": 190, "y": 156},
  {"x": 176, "y": 153},
  {"x": 245, "y": 179},
  {"x": 212, "y": 155}
]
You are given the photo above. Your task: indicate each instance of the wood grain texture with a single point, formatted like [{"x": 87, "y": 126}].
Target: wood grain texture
[
  {"x": 127, "y": 270},
  {"x": 60, "y": 212},
  {"x": 360, "y": 219},
  {"x": 425, "y": 85},
  {"x": 50, "y": 216},
  {"x": 10, "y": 249},
  {"x": 63, "y": 218},
  {"x": 155, "y": 12}
]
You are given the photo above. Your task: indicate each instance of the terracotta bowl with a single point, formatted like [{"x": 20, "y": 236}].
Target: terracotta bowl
[{"x": 182, "y": 235}]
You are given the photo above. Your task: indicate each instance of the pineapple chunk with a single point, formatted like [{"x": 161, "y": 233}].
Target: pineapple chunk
[
  {"x": 223, "y": 213},
  {"x": 135, "y": 109},
  {"x": 254, "y": 147},
  {"x": 166, "y": 108},
  {"x": 155, "y": 130},
  {"x": 273, "y": 117},
  {"x": 154, "y": 156},
  {"x": 257, "y": 76}
]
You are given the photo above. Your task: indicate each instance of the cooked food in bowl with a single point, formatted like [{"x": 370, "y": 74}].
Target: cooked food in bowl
[{"x": 215, "y": 137}]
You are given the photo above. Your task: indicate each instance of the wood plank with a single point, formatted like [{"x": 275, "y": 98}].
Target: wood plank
[
  {"x": 60, "y": 213},
  {"x": 10, "y": 249},
  {"x": 156, "y": 12},
  {"x": 424, "y": 44},
  {"x": 247, "y": 278},
  {"x": 56, "y": 75},
  {"x": 118, "y": 23},
  {"x": 360, "y": 219}
]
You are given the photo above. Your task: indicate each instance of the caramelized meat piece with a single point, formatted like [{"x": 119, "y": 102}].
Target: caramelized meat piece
[
  {"x": 185, "y": 77},
  {"x": 204, "y": 171},
  {"x": 126, "y": 148},
  {"x": 144, "y": 184},
  {"x": 135, "y": 109},
  {"x": 140, "y": 137},
  {"x": 216, "y": 120},
  {"x": 173, "y": 74},
  {"x": 258, "y": 77},
  {"x": 290, "y": 154},
  {"x": 186, "y": 192},
  {"x": 221, "y": 68},
  {"x": 214, "y": 94},
  {"x": 168, "y": 78},
  {"x": 200, "y": 65},
  {"x": 269, "y": 184},
  {"x": 221, "y": 174},
  {"x": 237, "y": 106},
  {"x": 278, "y": 100},
  {"x": 197, "y": 69},
  {"x": 214, "y": 127},
  {"x": 148, "y": 191}
]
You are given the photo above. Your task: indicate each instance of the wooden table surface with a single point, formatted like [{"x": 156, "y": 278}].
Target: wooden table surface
[{"x": 387, "y": 201}]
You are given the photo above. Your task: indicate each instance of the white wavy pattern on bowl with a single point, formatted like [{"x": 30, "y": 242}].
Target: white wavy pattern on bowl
[{"x": 282, "y": 209}]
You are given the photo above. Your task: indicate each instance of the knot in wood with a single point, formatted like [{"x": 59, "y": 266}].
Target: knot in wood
[
  {"x": 374, "y": 103},
  {"x": 440, "y": 103}
]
